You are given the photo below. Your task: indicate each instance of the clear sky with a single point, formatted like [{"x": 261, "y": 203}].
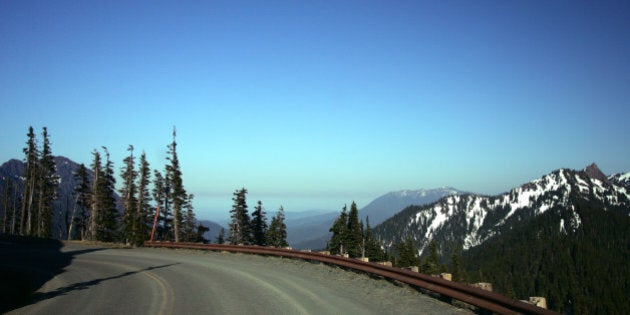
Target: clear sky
[{"x": 312, "y": 104}]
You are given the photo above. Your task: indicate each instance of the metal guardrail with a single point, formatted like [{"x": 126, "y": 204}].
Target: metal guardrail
[{"x": 483, "y": 299}]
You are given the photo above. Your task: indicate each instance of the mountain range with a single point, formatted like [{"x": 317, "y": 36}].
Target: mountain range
[
  {"x": 563, "y": 236},
  {"x": 470, "y": 219}
]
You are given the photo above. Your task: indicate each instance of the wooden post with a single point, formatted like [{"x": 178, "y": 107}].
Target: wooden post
[{"x": 157, "y": 212}]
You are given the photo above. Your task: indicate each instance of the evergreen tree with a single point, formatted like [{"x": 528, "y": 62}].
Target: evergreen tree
[
  {"x": 339, "y": 229},
  {"x": 177, "y": 192},
  {"x": 161, "y": 197},
  {"x": 354, "y": 237},
  {"x": 103, "y": 222},
  {"x": 221, "y": 237},
  {"x": 190, "y": 221},
  {"x": 457, "y": 270},
  {"x": 201, "y": 230},
  {"x": 95, "y": 202},
  {"x": 259, "y": 225},
  {"x": 80, "y": 217},
  {"x": 240, "y": 225},
  {"x": 277, "y": 232},
  {"x": 373, "y": 249},
  {"x": 109, "y": 218},
  {"x": 406, "y": 255},
  {"x": 130, "y": 224},
  {"x": 143, "y": 213},
  {"x": 27, "y": 218},
  {"x": 48, "y": 182},
  {"x": 431, "y": 264}
]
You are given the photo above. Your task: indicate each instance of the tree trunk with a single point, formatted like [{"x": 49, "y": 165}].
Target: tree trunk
[
  {"x": 74, "y": 211},
  {"x": 176, "y": 224},
  {"x": 29, "y": 212}
]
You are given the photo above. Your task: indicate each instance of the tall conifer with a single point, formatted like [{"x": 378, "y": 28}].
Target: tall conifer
[
  {"x": 143, "y": 213},
  {"x": 110, "y": 212},
  {"x": 27, "y": 218},
  {"x": 240, "y": 225},
  {"x": 372, "y": 247},
  {"x": 48, "y": 182},
  {"x": 79, "y": 223},
  {"x": 190, "y": 221},
  {"x": 354, "y": 233},
  {"x": 177, "y": 192},
  {"x": 95, "y": 202},
  {"x": 161, "y": 197},
  {"x": 130, "y": 224},
  {"x": 277, "y": 232},
  {"x": 259, "y": 225},
  {"x": 339, "y": 229}
]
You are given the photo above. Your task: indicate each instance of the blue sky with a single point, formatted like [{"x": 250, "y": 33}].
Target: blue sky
[{"x": 312, "y": 104}]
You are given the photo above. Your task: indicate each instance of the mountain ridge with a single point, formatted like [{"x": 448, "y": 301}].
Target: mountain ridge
[
  {"x": 479, "y": 217},
  {"x": 562, "y": 236}
]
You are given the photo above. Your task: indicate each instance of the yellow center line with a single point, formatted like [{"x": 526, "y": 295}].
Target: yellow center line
[{"x": 168, "y": 298}]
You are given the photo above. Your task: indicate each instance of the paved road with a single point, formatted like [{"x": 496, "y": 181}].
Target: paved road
[{"x": 162, "y": 281}]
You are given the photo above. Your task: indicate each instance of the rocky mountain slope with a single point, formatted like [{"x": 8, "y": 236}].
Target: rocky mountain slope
[
  {"x": 468, "y": 220},
  {"x": 563, "y": 236}
]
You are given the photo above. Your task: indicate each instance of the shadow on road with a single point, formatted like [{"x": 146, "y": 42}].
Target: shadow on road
[
  {"x": 26, "y": 264},
  {"x": 38, "y": 296}
]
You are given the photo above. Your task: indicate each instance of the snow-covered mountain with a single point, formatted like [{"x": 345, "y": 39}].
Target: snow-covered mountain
[
  {"x": 622, "y": 179},
  {"x": 468, "y": 220}
]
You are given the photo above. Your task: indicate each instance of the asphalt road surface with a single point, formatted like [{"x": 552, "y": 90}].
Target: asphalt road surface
[{"x": 99, "y": 280}]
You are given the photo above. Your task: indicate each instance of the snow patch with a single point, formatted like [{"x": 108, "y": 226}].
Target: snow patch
[
  {"x": 576, "y": 221},
  {"x": 582, "y": 184}
]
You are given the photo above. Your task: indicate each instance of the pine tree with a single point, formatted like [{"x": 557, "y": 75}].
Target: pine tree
[
  {"x": 27, "y": 218},
  {"x": 80, "y": 217},
  {"x": 432, "y": 262},
  {"x": 95, "y": 202},
  {"x": 240, "y": 225},
  {"x": 110, "y": 213},
  {"x": 143, "y": 213},
  {"x": 201, "y": 230},
  {"x": 259, "y": 225},
  {"x": 354, "y": 236},
  {"x": 406, "y": 255},
  {"x": 458, "y": 272},
  {"x": 339, "y": 229},
  {"x": 48, "y": 182},
  {"x": 190, "y": 221},
  {"x": 130, "y": 222},
  {"x": 104, "y": 216},
  {"x": 161, "y": 197},
  {"x": 177, "y": 192},
  {"x": 277, "y": 232},
  {"x": 373, "y": 249}
]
